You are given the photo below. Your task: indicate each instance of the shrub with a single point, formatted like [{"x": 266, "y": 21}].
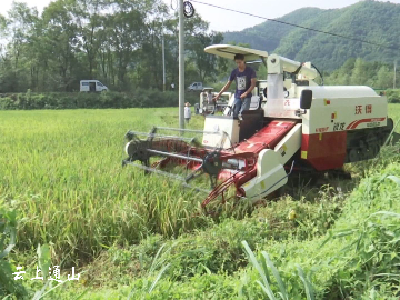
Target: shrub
[
  {"x": 136, "y": 99},
  {"x": 393, "y": 96}
]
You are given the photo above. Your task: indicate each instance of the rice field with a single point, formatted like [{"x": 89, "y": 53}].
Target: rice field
[{"x": 62, "y": 171}]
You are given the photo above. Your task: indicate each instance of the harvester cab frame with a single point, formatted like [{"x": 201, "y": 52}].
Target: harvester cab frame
[
  {"x": 208, "y": 106},
  {"x": 282, "y": 83},
  {"x": 299, "y": 124}
]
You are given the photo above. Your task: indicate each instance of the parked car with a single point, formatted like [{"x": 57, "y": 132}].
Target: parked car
[
  {"x": 195, "y": 86},
  {"x": 92, "y": 86}
]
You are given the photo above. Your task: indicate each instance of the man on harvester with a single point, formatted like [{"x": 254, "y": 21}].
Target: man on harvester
[{"x": 246, "y": 81}]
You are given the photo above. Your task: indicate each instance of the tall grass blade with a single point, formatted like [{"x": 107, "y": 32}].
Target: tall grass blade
[
  {"x": 265, "y": 285},
  {"x": 307, "y": 284},
  {"x": 158, "y": 277},
  {"x": 42, "y": 294},
  {"x": 155, "y": 260},
  {"x": 265, "y": 289},
  {"x": 330, "y": 236},
  {"x": 244, "y": 280},
  {"x": 386, "y": 275},
  {"x": 6, "y": 251},
  {"x": 11, "y": 228},
  {"x": 265, "y": 268},
  {"x": 44, "y": 259},
  {"x": 275, "y": 272},
  {"x": 387, "y": 214},
  {"x": 39, "y": 294},
  {"x": 394, "y": 179}
]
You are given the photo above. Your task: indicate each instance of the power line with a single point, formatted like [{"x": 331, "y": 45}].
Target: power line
[{"x": 298, "y": 26}]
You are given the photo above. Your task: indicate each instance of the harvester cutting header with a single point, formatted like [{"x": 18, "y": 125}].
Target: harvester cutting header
[{"x": 292, "y": 123}]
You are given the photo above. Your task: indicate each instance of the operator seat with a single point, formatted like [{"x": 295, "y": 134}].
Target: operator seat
[{"x": 251, "y": 120}]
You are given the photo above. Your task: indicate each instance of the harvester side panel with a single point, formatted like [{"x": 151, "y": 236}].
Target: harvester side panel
[
  {"x": 290, "y": 144},
  {"x": 324, "y": 151},
  {"x": 259, "y": 147},
  {"x": 268, "y": 137},
  {"x": 333, "y": 111},
  {"x": 271, "y": 174}
]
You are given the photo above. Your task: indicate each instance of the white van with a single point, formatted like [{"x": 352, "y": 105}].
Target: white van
[
  {"x": 92, "y": 86},
  {"x": 195, "y": 86}
]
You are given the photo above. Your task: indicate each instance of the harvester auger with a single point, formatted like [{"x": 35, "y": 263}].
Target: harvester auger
[{"x": 293, "y": 124}]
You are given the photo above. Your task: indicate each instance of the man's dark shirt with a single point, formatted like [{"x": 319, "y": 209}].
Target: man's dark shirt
[{"x": 243, "y": 80}]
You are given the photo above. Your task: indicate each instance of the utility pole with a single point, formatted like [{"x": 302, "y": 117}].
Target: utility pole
[
  {"x": 181, "y": 65},
  {"x": 394, "y": 75},
  {"x": 163, "y": 58}
]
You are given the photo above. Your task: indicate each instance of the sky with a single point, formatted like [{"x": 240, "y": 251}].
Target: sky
[{"x": 230, "y": 21}]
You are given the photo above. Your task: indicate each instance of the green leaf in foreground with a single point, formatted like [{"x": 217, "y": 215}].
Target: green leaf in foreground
[
  {"x": 394, "y": 179},
  {"x": 307, "y": 284},
  {"x": 44, "y": 259}
]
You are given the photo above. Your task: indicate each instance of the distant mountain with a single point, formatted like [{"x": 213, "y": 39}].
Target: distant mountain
[{"x": 374, "y": 21}]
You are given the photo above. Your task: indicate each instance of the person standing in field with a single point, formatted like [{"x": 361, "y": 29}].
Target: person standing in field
[
  {"x": 187, "y": 114},
  {"x": 246, "y": 80}
]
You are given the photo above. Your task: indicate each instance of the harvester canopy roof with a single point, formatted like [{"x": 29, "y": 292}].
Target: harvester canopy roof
[
  {"x": 251, "y": 55},
  {"x": 229, "y": 51}
]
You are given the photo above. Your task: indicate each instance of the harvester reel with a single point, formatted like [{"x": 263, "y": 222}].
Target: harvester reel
[
  {"x": 137, "y": 151},
  {"x": 158, "y": 146},
  {"x": 211, "y": 165}
]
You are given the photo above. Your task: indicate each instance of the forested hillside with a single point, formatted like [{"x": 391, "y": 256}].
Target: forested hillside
[{"x": 368, "y": 20}]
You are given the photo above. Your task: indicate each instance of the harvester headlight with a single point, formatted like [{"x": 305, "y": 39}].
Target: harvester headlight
[{"x": 286, "y": 94}]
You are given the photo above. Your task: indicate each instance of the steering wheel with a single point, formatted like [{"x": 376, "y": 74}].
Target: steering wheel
[{"x": 265, "y": 92}]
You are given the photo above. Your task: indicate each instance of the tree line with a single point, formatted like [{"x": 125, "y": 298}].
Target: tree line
[
  {"x": 115, "y": 41},
  {"x": 119, "y": 43},
  {"x": 378, "y": 75}
]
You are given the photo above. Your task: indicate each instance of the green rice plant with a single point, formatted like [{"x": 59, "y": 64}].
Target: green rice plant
[
  {"x": 346, "y": 266},
  {"x": 65, "y": 178},
  {"x": 61, "y": 171}
]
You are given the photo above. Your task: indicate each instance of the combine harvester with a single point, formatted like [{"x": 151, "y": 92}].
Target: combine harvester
[{"x": 297, "y": 126}]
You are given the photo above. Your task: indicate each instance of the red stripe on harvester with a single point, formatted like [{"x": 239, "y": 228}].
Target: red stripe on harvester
[{"x": 354, "y": 124}]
